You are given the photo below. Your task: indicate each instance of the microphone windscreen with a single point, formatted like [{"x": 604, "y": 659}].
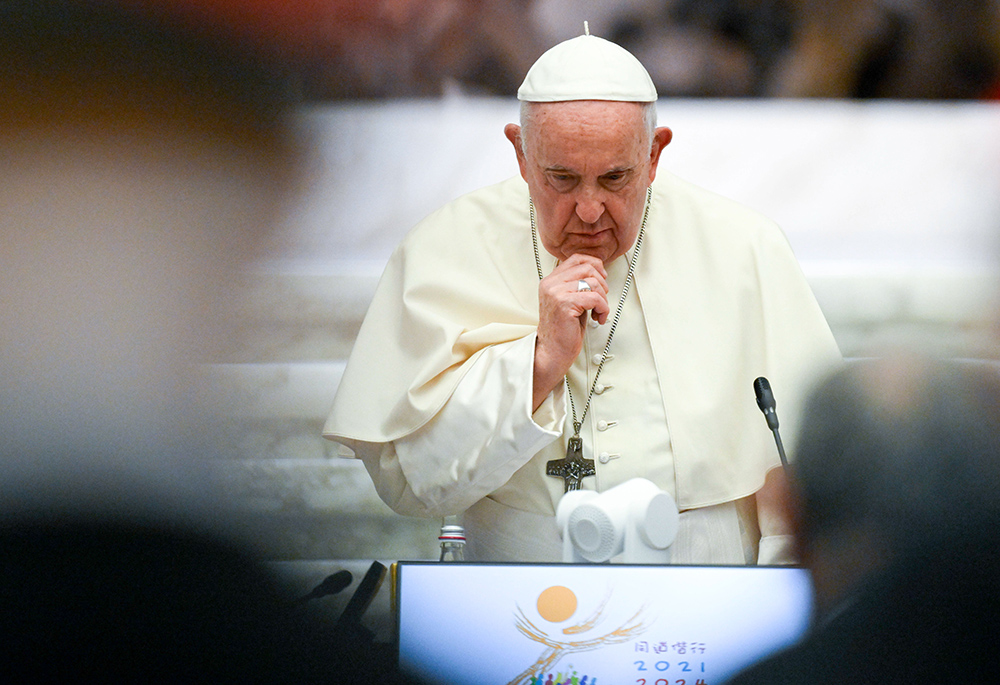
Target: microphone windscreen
[
  {"x": 762, "y": 390},
  {"x": 765, "y": 400},
  {"x": 331, "y": 585},
  {"x": 335, "y": 583}
]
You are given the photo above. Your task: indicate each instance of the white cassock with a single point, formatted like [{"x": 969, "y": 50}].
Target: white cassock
[{"x": 436, "y": 398}]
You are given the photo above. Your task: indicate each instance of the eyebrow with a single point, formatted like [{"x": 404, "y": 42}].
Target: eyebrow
[{"x": 616, "y": 170}]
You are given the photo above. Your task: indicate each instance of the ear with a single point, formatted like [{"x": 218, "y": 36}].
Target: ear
[
  {"x": 661, "y": 138},
  {"x": 513, "y": 133}
]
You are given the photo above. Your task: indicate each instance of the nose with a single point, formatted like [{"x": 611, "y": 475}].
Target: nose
[{"x": 589, "y": 206}]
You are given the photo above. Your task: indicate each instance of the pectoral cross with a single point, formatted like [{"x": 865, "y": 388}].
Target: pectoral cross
[{"x": 573, "y": 467}]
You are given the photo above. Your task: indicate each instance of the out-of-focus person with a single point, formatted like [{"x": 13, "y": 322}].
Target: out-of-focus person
[
  {"x": 141, "y": 167},
  {"x": 895, "y": 511},
  {"x": 142, "y": 162}
]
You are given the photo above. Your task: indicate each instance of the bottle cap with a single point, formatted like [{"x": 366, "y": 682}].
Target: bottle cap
[{"x": 452, "y": 533}]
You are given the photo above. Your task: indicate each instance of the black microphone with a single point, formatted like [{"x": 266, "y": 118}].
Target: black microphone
[
  {"x": 331, "y": 585},
  {"x": 351, "y": 634},
  {"x": 363, "y": 596},
  {"x": 765, "y": 400}
]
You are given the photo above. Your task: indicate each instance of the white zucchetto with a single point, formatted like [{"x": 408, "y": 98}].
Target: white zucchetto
[{"x": 587, "y": 68}]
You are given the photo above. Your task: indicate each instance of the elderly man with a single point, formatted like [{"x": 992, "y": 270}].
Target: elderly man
[
  {"x": 580, "y": 326},
  {"x": 895, "y": 512}
]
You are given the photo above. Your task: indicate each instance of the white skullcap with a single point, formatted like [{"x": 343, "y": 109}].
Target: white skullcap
[{"x": 587, "y": 68}]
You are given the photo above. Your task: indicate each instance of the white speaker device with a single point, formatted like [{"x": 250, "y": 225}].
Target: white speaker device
[{"x": 635, "y": 519}]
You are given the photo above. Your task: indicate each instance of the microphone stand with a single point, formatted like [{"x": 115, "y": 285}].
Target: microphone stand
[
  {"x": 781, "y": 448},
  {"x": 766, "y": 403},
  {"x": 349, "y": 624}
]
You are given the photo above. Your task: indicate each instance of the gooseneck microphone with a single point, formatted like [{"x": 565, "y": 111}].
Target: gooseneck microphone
[
  {"x": 362, "y": 597},
  {"x": 331, "y": 585},
  {"x": 765, "y": 400}
]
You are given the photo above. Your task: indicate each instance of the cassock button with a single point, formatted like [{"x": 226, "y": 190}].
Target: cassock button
[
  {"x": 605, "y": 457},
  {"x": 599, "y": 388},
  {"x": 592, "y": 323},
  {"x": 597, "y": 358},
  {"x": 604, "y": 425}
]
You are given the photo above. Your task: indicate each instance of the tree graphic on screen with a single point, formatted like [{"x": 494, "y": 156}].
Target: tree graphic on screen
[{"x": 558, "y": 604}]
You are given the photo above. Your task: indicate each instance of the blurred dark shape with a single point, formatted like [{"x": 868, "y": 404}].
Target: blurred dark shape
[
  {"x": 906, "y": 448},
  {"x": 897, "y": 516},
  {"x": 713, "y": 48},
  {"x": 365, "y": 49},
  {"x": 361, "y": 49},
  {"x": 83, "y": 63},
  {"x": 86, "y": 601},
  {"x": 83, "y": 602},
  {"x": 924, "y": 619},
  {"x": 921, "y": 49},
  {"x": 917, "y": 49},
  {"x": 420, "y": 48}
]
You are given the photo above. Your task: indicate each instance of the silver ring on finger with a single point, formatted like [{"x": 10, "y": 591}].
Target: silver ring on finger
[{"x": 582, "y": 286}]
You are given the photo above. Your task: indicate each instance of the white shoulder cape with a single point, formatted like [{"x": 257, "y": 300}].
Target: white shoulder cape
[{"x": 723, "y": 298}]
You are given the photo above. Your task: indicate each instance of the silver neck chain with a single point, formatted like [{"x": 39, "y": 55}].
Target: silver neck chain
[{"x": 618, "y": 312}]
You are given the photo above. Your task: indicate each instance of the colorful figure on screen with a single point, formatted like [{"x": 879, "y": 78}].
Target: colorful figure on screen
[{"x": 558, "y": 604}]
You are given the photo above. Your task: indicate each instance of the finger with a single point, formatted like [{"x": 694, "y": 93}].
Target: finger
[
  {"x": 580, "y": 263},
  {"x": 593, "y": 303},
  {"x": 600, "y": 311},
  {"x": 594, "y": 281},
  {"x": 577, "y": 281},
  {"x": 586, "y": 259}
]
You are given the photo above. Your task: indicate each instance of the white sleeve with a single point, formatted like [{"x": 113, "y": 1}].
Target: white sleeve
[{"x": 484, "y": 433}]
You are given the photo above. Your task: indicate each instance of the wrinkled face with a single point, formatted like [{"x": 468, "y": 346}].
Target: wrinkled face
[{"x": 587, "y": 165}]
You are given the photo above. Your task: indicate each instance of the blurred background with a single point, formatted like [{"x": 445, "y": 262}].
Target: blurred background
[
  {"x": 869, "y": 129},
  {"x": 378, "y": 49}
]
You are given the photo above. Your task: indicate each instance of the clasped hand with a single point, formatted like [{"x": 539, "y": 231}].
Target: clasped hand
[{"x": 562, "y": 317}]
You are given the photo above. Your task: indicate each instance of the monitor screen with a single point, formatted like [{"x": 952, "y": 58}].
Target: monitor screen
[{"x": 595, "y": 624}]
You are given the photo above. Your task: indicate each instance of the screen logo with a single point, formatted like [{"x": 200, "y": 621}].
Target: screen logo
[{"x": 570, "y": 627}]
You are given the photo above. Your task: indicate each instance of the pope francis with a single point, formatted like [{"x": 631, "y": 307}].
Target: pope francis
[{"x": 591, "y": 321}]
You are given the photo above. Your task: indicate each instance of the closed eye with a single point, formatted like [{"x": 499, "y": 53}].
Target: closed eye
[
  {"x": 614, "y": 180},
  {"x": 562, "y": 181}
]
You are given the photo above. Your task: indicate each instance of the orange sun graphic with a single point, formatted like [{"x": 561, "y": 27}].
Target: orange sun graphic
[{"x": 556, "y": 604}]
